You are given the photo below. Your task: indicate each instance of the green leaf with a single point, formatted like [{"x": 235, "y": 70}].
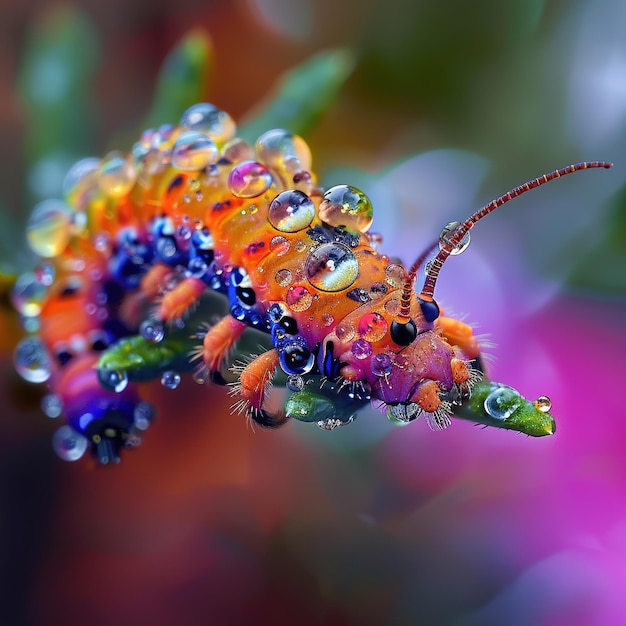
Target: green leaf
[
  {"x": 302, "y": 95},
  {"x": 183, "y": 79}
]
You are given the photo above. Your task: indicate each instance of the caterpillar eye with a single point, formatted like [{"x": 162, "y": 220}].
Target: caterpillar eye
[
  {"x": 289, "y": 325},
  {"x": 63, "y": 354},
  {"x": 296, "y": 359},
  {"x": 246, "y": 295},
  {"x": 403, "y": 334}
]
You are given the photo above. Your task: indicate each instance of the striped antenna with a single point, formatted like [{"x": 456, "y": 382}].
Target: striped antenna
[{"x": 453, "y": 238}]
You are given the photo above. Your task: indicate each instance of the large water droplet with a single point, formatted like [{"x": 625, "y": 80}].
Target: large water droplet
[
  {"x": 113, "y": 380},
  {"x": 502, "y": 402},
  {"x": 52, "y": 405},
  {"x": 209, "y": 120},
  {"x": 28, "y": 295},
  {"x": 170, "y": 380},
  {"x": 152, "y": 330},
  {"x": 69, "y": 444},
  {"x": 332, "y": 267},
  {"x": 193, "y": 151},
  {"x": 291, "y": 211},
  {"x": 49, "y": 227},
  {"x": 117, "y": 176},
  {"x": 143, "y": 415},
  {"x": 249, "y": 179},
  {"x": 32, "y": 361},
  {"x": 446, "y": 235},
  {"x": 281, "y": 150},
  {"x": 348, "y": 207},
  {"x": 372, "y": 327}
]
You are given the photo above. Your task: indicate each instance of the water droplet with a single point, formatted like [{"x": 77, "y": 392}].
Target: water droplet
[
  {"x": 299, "y": 299},
  {"x": 332, "y": 267},
  {"x": 117, "y": 176},
  {"x": 69, "y": 444},
  {"x": 295, "y": 383},
  {"x": 372, "y": 327},
  {"x": 143, "y": 415},
  {"x": 193, "y": 151},
  {"x": 49, "y": 228},
  {"x": 345, "y": 331},
  {"x": 237, "y": 150},
  {"x": 249, "y": 179},
  {"x": 32, "y": 361},
  {"x": 170, "y": 380},
  {"x": 279, "y": 245},
  {"x": 392, "y": 306},
  {"x": 381, "y": 364},
  {"x": 284, "y": 277},
  {"x": 361, "y": 349},
  {"x": 281, "y": 150},
  {"x": 291, "y": 211},
  {"x": 327, "y": 319},
  {"x": 300, "y": 246},
  {"x": 52, "y": 405},
  {"x": 80, "y": 176},
  {"x": 113, "y": 380},
  {"x": 152, "y": 330},
  {"x": 395, "y": 275},
  {"x": 446, "y": 235},
  {"x": 543, "y": 404},
  {"x": 502, "y": 402},
  {"x": 347, "y": 207},
  {"x": 45, "y": 274},
  {"x": 28, "y": 295},
  {"x": 402, "y": 414},
  {"x": 209, "y": 120}
]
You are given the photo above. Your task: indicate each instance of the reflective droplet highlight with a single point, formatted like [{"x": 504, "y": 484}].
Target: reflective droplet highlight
[
  {"x": 170, "y": 380},
  {"x": 291, "y": 211},
  {"x": 347, "y": 207},
  {"x": 280, "y": 245},
  {"x": 299, "y": 299},
  {"x": 372, "y": 327},
  {"x": 361, "y": 349},
  {"x": 395, "y": 275},
  {"x": 193, "y": 151},
  {"x": 113, "y": 380},
  {"x": 281, "y": 150},
  {"x": 331, "y": 267},
  {"x": 48, "y": 229},
  {"x": 446, "y": 235},
  {"x": 209, "y": 120},
  {"x": 502, "y": 402},
  {"x": 543, "y": 404},
  {"x": 52, "y": 405},
  {"x": 284, "y": 277},
  {"x": 68, "y": 444},
  {"x": 117, "y": 176},
  {"x": 153, "y": 330},
  {"x": 32, "y": 361},
  {"x": 249, "y": 180},
  {"x": 28, "y": 295}
]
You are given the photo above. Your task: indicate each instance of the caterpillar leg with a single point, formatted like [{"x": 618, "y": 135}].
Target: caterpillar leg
[
  {"x": 253, "y": 387},
  {"x": 216, "y": 345},
  {"x": 176, "y": 302}
]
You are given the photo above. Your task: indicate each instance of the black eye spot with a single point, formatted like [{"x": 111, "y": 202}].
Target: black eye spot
[
  {"x": 246, "y": 295},
  {"x": 289, "y": 325},
  {"x": 296, "y": 359},
  {"x": 99, "y": 345},
  {"x": 403, "y": 334},
  {"x": 63, "y": 356}
]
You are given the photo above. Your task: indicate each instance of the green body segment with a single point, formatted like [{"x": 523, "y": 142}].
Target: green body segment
[{"x": 494, "y": 404}]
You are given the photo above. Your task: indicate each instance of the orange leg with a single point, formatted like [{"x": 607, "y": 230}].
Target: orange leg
[
  {"x": 253, "y": 386},
  {"x": 177, "y": 301}
]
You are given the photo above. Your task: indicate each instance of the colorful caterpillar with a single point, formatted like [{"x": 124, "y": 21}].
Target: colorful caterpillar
[{"x": 141, "y": 239}]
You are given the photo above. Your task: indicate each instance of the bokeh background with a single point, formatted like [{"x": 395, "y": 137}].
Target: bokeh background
[{"x": 448, "y": 105}]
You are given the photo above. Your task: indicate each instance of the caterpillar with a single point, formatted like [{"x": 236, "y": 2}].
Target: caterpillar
[{"x": 141, "y": 239}]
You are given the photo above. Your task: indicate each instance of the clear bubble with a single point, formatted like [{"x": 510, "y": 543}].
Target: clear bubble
[
  {"x": 237, "y": 150},
  {"x": 327, "y": 319},
  {"x": 69, "y": 444},
  {"x": 32, "y": 361},
  {"x": 361, "y": 349},
  {"x": 117, "y": 176},
  {"x": 401, "y": 414},
  {"x": 332, "y": 267},
  {"x": 143, "y": 415},
  {"x": 52, "y": 405},
  {"x": 209, "y": 120},
  {"x": 279, "y": 245},
  {"x": 170, "y": 380},
  {"x": 392, "y": 306},
  {"x": 49, "y": 228},
  {"x": 345, "y": 331},
  {"x": 543, "y": 404},
  {"x": 81, "y": 174},
  {"x": 372, "y": 327},
  {"x": 193, "y": 151},
  {"x": 249, "y": 179},
  {"x": 348, "y": 207},
  {"x": 502, "y": 402},
  {"x": 113, "y": 380},
  {"x": 28, "y": 295},
  {"x": 291, "y": 211},
  {"x": 152, "y": 330},
  {"x": 446, "y": 235},
  {"x": 281, "y": 150},
  {"x": 284, "y": 277},
  {"x": 295, "y": 383},
  {"x": 381, "y": 364},
  {"x": 45, "y": 273},
  {"x": 395, "y": 275}
]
